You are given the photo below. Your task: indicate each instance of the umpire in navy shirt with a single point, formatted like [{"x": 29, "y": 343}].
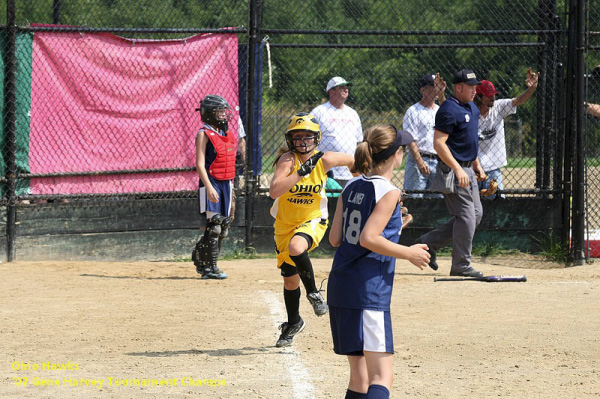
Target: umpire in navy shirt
[{"x": 456, "y": 143}]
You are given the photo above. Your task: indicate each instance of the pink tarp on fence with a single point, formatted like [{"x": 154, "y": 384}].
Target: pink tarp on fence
[{"x": 104, "y": 103}]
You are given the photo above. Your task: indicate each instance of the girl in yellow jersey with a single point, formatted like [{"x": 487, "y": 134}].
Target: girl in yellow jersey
[{"x": 300, "y": 212}]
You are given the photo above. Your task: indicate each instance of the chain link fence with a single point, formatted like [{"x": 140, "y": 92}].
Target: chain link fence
[
  {"x": 592, "y": 128},
  {"x": 384, "y": 53},
  {"x": 99, "y": 95},
  {"x": 103, "y": 94}
]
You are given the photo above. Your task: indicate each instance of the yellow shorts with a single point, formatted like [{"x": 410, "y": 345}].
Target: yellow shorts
[{"x": 314, "y": 228}]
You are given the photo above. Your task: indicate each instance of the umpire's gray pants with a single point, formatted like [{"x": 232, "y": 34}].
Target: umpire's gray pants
[{"x": 465, "y": 207}]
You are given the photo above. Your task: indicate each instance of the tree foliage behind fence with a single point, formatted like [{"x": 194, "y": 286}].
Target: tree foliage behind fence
[{"x": 293, "y": 49}]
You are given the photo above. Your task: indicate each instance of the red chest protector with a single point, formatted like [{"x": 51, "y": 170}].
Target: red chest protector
[{"x": 223, "y": 167}]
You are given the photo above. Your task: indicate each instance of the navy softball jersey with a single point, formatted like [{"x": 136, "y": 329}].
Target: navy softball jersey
[{"x": 360, "y": 278}]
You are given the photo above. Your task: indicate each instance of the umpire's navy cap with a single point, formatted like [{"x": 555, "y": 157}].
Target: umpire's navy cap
[{"x": 466, "y": 76}]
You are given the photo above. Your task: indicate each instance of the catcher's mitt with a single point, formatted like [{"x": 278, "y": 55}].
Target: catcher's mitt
[{"x": 491, "y": 190}]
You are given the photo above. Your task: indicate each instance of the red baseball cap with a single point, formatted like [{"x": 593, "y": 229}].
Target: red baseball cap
[{"x": 486, "y": 88}]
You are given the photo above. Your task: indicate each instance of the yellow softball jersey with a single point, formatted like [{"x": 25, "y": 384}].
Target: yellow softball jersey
[
  {"x": 302, "y": 209},
  {"x": 303, "y": 202}
]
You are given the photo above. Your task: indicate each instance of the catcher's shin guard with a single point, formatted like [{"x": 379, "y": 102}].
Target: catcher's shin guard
[
  {"x": 224, "y": 230},
  {"x": 197, "y": 256},
  {"x": 210, "y": 248}
]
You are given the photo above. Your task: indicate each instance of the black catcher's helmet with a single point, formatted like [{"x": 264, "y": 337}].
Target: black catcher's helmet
[{"x": 208, "y": 111}]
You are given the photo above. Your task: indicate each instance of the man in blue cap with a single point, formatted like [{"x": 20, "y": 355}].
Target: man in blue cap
[{"x": 456, "y": 143}]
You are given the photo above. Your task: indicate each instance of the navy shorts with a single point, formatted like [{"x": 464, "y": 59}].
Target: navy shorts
[
  {"x": 223, "y": 207},
  {"x": 356, "y": 330}
]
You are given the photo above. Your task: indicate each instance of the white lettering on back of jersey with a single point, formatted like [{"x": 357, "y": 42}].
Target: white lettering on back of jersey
[{"x": 356, "y": 198}]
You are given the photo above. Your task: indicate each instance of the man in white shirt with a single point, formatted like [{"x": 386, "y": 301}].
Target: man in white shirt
[
  {"x": 492, "y": 142},
  {"x": 241, "y": 150},
  {"x": 340, "y": 125},
  {"x": 419, "y": 120}
]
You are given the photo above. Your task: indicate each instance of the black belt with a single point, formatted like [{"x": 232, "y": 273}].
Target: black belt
[
  {"x": 426, "y": 155},
  {"x": 466, "y": 164}
]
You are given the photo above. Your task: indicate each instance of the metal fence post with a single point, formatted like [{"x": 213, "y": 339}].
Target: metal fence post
[
  {"x": 547, "y": 60},
  {"x": 250, "y": 178},
  {"x": 56, "y": 12},
  {"x": 561, "y": 178},
  {"x": 569, "y": 123},
  {"x": 542, "y": 98},
  {"x": 579, "y": 170},
  {"x": 10, "y": 128}
]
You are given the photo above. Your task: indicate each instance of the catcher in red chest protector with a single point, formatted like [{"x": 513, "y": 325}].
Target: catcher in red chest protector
[{"x": 215, "y": 163}]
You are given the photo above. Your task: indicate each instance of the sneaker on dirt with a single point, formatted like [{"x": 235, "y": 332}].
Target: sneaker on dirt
[
  {"x": 288, "y": 332},
  {"x": 318, "y": 303}
]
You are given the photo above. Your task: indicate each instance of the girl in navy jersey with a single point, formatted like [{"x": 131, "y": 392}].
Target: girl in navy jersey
[{"x": 366, "y": 228}]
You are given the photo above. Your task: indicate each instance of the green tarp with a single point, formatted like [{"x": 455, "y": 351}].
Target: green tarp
[{"x": 23, "y": 53}]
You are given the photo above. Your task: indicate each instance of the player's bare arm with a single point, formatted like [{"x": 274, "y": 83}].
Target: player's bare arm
[
  {"x": 441, "y": 147},
  {"x": 201, "y": 141},
  {"x": 371, "y": 237},
  {"x": 335, "y": 231},
  {"x": 283, "y": 179},
  {"x": 332, "y": 159}
]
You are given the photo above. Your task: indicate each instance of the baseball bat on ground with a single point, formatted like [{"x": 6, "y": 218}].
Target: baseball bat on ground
[{"x": 487, "y": 279}]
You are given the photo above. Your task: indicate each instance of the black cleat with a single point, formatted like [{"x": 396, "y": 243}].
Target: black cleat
[
  {"x": 214, "y": 276},
  {"x": 213, "y": 273},
  {"x": 433, "y": 256},
  {"x": 318, "y": 303},
  {"x": 468, "y": 272},
  {"x": 288, "y": 332}
]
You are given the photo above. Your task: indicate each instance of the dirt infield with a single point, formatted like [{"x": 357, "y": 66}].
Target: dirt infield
[{"x": 155, "y": 330}]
